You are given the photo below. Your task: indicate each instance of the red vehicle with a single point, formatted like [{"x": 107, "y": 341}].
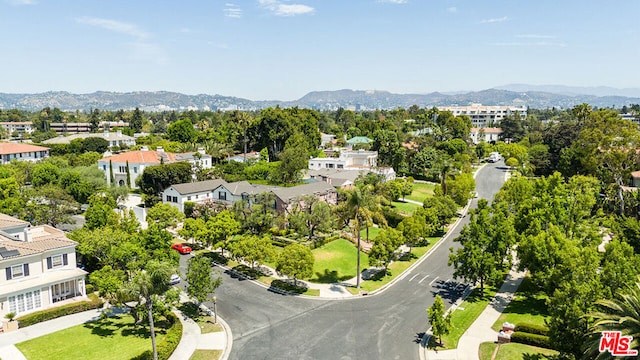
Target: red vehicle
[{"x": 182, "y": 248}]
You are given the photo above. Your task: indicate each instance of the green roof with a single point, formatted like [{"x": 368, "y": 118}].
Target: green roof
[{"x": 359, "y": 140}]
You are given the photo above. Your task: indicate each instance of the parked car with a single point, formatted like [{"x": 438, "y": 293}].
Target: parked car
[
  {"x": 182, "y": 248},
  {"x": 175, "y": 279}
]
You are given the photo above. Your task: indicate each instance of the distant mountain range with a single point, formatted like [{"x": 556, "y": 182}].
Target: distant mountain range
[{"x": 534, "y": 96}]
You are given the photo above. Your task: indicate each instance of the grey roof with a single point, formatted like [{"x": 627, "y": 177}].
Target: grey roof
[
  {"x": 240, "y": 187},
  {"x": 314, "y": 188},
  {"x": 338, "y": 176},
  {"x": 196, "y": 187}
]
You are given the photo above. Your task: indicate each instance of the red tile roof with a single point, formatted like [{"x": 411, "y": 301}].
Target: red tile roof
[
  {"x": 141, "y": 157},
  {"x": 17, "y": 148}
]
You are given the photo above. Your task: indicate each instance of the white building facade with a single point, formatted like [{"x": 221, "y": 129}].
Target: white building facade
[
  {"x": 485, "y": 116},
  {"x": 348, "y": 159},
  {"x": 21, "y": 152}
]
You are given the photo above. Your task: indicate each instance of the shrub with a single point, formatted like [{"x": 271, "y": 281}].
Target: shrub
[
  {"x": 89, "y": 288},
  {"x": 531, "y": 339},
  {"x": 289, "y": 287},
  {"x": 94, "y": 302},
  {"x": 532, "y": 329},
  {"x": 168, "y": 344}
]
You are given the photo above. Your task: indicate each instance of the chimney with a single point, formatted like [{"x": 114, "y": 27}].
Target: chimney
[
  {"x": 159, "y": 149},
  {"x": 27, "y": 235},
  {"x": 119, "y": 133}
]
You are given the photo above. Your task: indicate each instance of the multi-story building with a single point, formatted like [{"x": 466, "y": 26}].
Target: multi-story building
[
  {"x": 114, "y": 138},
  {"x": 84, "y": 127},
  {"x": 20, "y": 127},
  {"x": 348, "y": 159},
  {"x": 485, "y": 116},
  {"x": 37, "y": 268},
  {"x": 21, "y": 152},
  {"x": 138, "y": 160}
]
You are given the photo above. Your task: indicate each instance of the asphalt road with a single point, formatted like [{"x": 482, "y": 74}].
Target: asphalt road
[{"x": 389, "y": 325}]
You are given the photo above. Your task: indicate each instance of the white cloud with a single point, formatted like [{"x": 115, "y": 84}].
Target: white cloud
[
  {"x": 21, "y": 2},
  {"x": 535, "y": 36},
  {"x": 452, "y": 9},
  {"x": 494, "y": 20},
  {"x": 114, "y": 25},
  {"x": 394, "y": 1},
  {"x": 232, "y": 11},
  {"x": 278, "y": 8}
]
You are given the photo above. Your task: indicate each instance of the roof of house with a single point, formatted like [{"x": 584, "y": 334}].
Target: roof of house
[
  {"x": 488, "y": 130},
  {"x": 7, "y": 221},
  {"x": 43, "y": 238},
  {"x": 635, "y": 174},
  {"x": 17, "y": 148},
  {"x": 196, "y": 187},
  {"x": 110, "y": 136},
  {"x": 287, "y": 194},
  {"x": 339, "y": 177},
  {"x": 359, "y": 140},
  {"x": 141, "y": 157}
]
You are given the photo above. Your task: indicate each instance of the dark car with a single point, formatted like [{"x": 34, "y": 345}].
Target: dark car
[{"x": 182, "y": 248}]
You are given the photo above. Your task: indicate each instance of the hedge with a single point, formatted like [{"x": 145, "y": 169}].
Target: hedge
[
  {"x": 531, "y": 339},
  {"x": 532, "y": 329},
  {"x": 168, "y": 344},
  {"x": 94, "y": 302}
]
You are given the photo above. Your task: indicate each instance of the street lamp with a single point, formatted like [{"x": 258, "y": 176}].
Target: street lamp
[{"x": 215, "y": 313}]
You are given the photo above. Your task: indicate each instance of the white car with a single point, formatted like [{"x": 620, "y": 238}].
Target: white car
[{"x": 175, "y": 279}]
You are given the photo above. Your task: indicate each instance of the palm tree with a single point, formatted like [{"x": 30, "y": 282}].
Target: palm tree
[
  {"x": 621, "y": 314},
  {"x": 362, "y": 207},
  {"x": 244, "y": 119},
  {"x": 147, "y": 285}
]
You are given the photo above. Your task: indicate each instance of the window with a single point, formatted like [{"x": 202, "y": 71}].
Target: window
[
  {"x": 17, "y": 271},
  {"x": 188, "y": 198},
  {"x": 175, "y": 199},
  {"x": 57, "y": 261},
  {"x": 169, "y": 198},
  {"x": 222, "y": 195},
  {"x": 340, "y": 166},
  {"x": 135, "y": 169},
  {"x": 104, "y": 167},
  {"x": 122, "y": 169}
]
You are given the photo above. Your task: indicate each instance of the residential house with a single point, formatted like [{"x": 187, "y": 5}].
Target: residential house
[
  {"x": 226, "y": 193},
  {"x": 348, "y": 159},
  {"x": 346, "y": 178},
  {"x": 21, "y": 152},
  {"x": 356, "y": 140},
  {"x": 140, "y": 159},
  {"x": 37, "y": 268},
  {"x": 250, "y": 156},
  {"x": 114, "y": 138},
  {"x": 488, "y": 135},
  {"x": 20, "y": 127}
]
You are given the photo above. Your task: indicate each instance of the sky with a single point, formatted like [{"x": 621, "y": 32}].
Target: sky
[{"x": 283, "y": 49}]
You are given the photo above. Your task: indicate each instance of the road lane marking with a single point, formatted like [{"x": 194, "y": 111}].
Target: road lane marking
[
  {"x": 413, "y": 277},
  {"x": 421, "y": 280},
  {"x": 432, "y": 281}
]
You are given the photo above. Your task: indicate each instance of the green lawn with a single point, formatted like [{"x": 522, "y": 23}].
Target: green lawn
[
  {"x": 200, "y": 354},
  {"x": 405, "y": 208},
  {"x": 336, "y": 261},
  {"x": 373, "y": 233},
  {"x": 464, "y": 316},
  {"x": 111, "y": 338},
  {"x": 528, "y": 306},
  {"x": 515, "y": 351},
  {"x": 396, "y": 268},
  {"x": 421, "y": 191}
]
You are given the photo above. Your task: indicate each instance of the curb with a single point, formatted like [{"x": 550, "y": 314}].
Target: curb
[{"x": 229, "y": 336}]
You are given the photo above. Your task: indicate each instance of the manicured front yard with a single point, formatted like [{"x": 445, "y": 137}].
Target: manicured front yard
[
  {"x": 528, "y": 306},
  {"x": 514, "y": 351},
  {"x": 111, "y": 338},
  {"x": 206, "y": 355},
  {"x": 405, "y": 208},
  {"x": 464, "y": 316},
  {"x": 336, "y": 261},
  {"x": 421, "y": 191}
]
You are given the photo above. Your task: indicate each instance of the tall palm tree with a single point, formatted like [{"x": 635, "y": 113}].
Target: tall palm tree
[
  {"x": 621, "y": 314},
  {"x": 362, "y": 207},
  {"x": 244, "y": 119}
]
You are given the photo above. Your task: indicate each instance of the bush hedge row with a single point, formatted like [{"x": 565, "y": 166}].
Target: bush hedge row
[
  {"x": 531, "y": 339},
  {"x": 168, "y": 344},
  {"x": 94, "y": 302},
  {"x": 532, "y": 329}
]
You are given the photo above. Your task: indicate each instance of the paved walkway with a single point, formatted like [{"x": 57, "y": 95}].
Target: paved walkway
[{"x": 480, "y": 331}]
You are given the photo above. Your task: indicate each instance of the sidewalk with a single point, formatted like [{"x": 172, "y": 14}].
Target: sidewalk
[{"x": 480, "y": 331}]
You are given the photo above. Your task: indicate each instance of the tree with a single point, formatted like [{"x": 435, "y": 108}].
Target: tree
[
  {"x": 155, "y": 179},
  {"x": 94, "y": 120},
  {"x": 200, "y": 279},
  {"x": 219, "y": 229},
  {"x": 461, "y": 188},
  {"x": 135, "y": 123},
  {"x": 45, "y": 173},
  {"x": 95, "y": 144},
  {"x": 51, "y": 205},
  {"x": 148, "y": 285},
  {"x": 310, "y": 215},
  {"x": 252, "y": 249},
  {"x": 164, "y": 215},
  {"x": 445, "y": 208},
  {"x": 439, "y": 320},
  {"x": 100, "y": 212},
  {"x": 384, "y": 247},
  {"x": 295, "y": 261},
  {"x": 482, "y": 257},
  {"x": 190, "y": 228},
  {"x": 619, "y": 314},
  {"x": 293, "y": 159},
  {"x": 182, "y": 131}
]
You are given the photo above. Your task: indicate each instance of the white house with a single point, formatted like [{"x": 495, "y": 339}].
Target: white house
[
  {"x": 114, "y": 138},
  {"x": 348, "y": 159},
  {"x": 38, "y": 268},
  {"x": 488, "y": 135},
  {"x": 140, "y": 159},
  {"x": 21, "y": 152},
  {"x": 20, "y": 127}
]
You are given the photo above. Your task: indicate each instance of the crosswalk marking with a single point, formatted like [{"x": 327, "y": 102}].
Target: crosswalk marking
[
  {"x": 434, "y": 280},
  {"x": 421, "y": 280},
  {"x": 413, "y": 277}
]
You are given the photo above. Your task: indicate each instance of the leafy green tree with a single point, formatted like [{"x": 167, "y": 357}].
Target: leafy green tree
[
  {"x": 155, "y": 179},
  {"x": 384, "y": 247},
  {"x": 293, "y": 159},
  {"x": 45, "y": 173},
  {"x": 94, "y": 120},
  {"x": 11, "y": 200},
  {"x": 95, "y": 144},
  {"x": 620, "y": 266},
  {"x": 164, "y": 215},
  {"x": 295, "y": 261},
  {"x": 461, "y": 188},
  {"x": 219, "y": 229},
  {"x": 50, "y": 205},
  {"x": 136, "y": 121},
  {"x": 445, "y": 208},
  {"x": 190, "y": 228},
  {"x": 108, "y": 281},
  {"x": 100, "y": 212},
  {"x": 511, "y": 162},
  {"x": 540, "y": 159},
  {"x": 310, "y": 215},
  {"x": 513, "y": 127},
  {"x": 439, "y": 320},
  {"x": 182, "y": 131},
  {"x": 201, "y": 280},
  {"x": 252, "y": 249}
]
